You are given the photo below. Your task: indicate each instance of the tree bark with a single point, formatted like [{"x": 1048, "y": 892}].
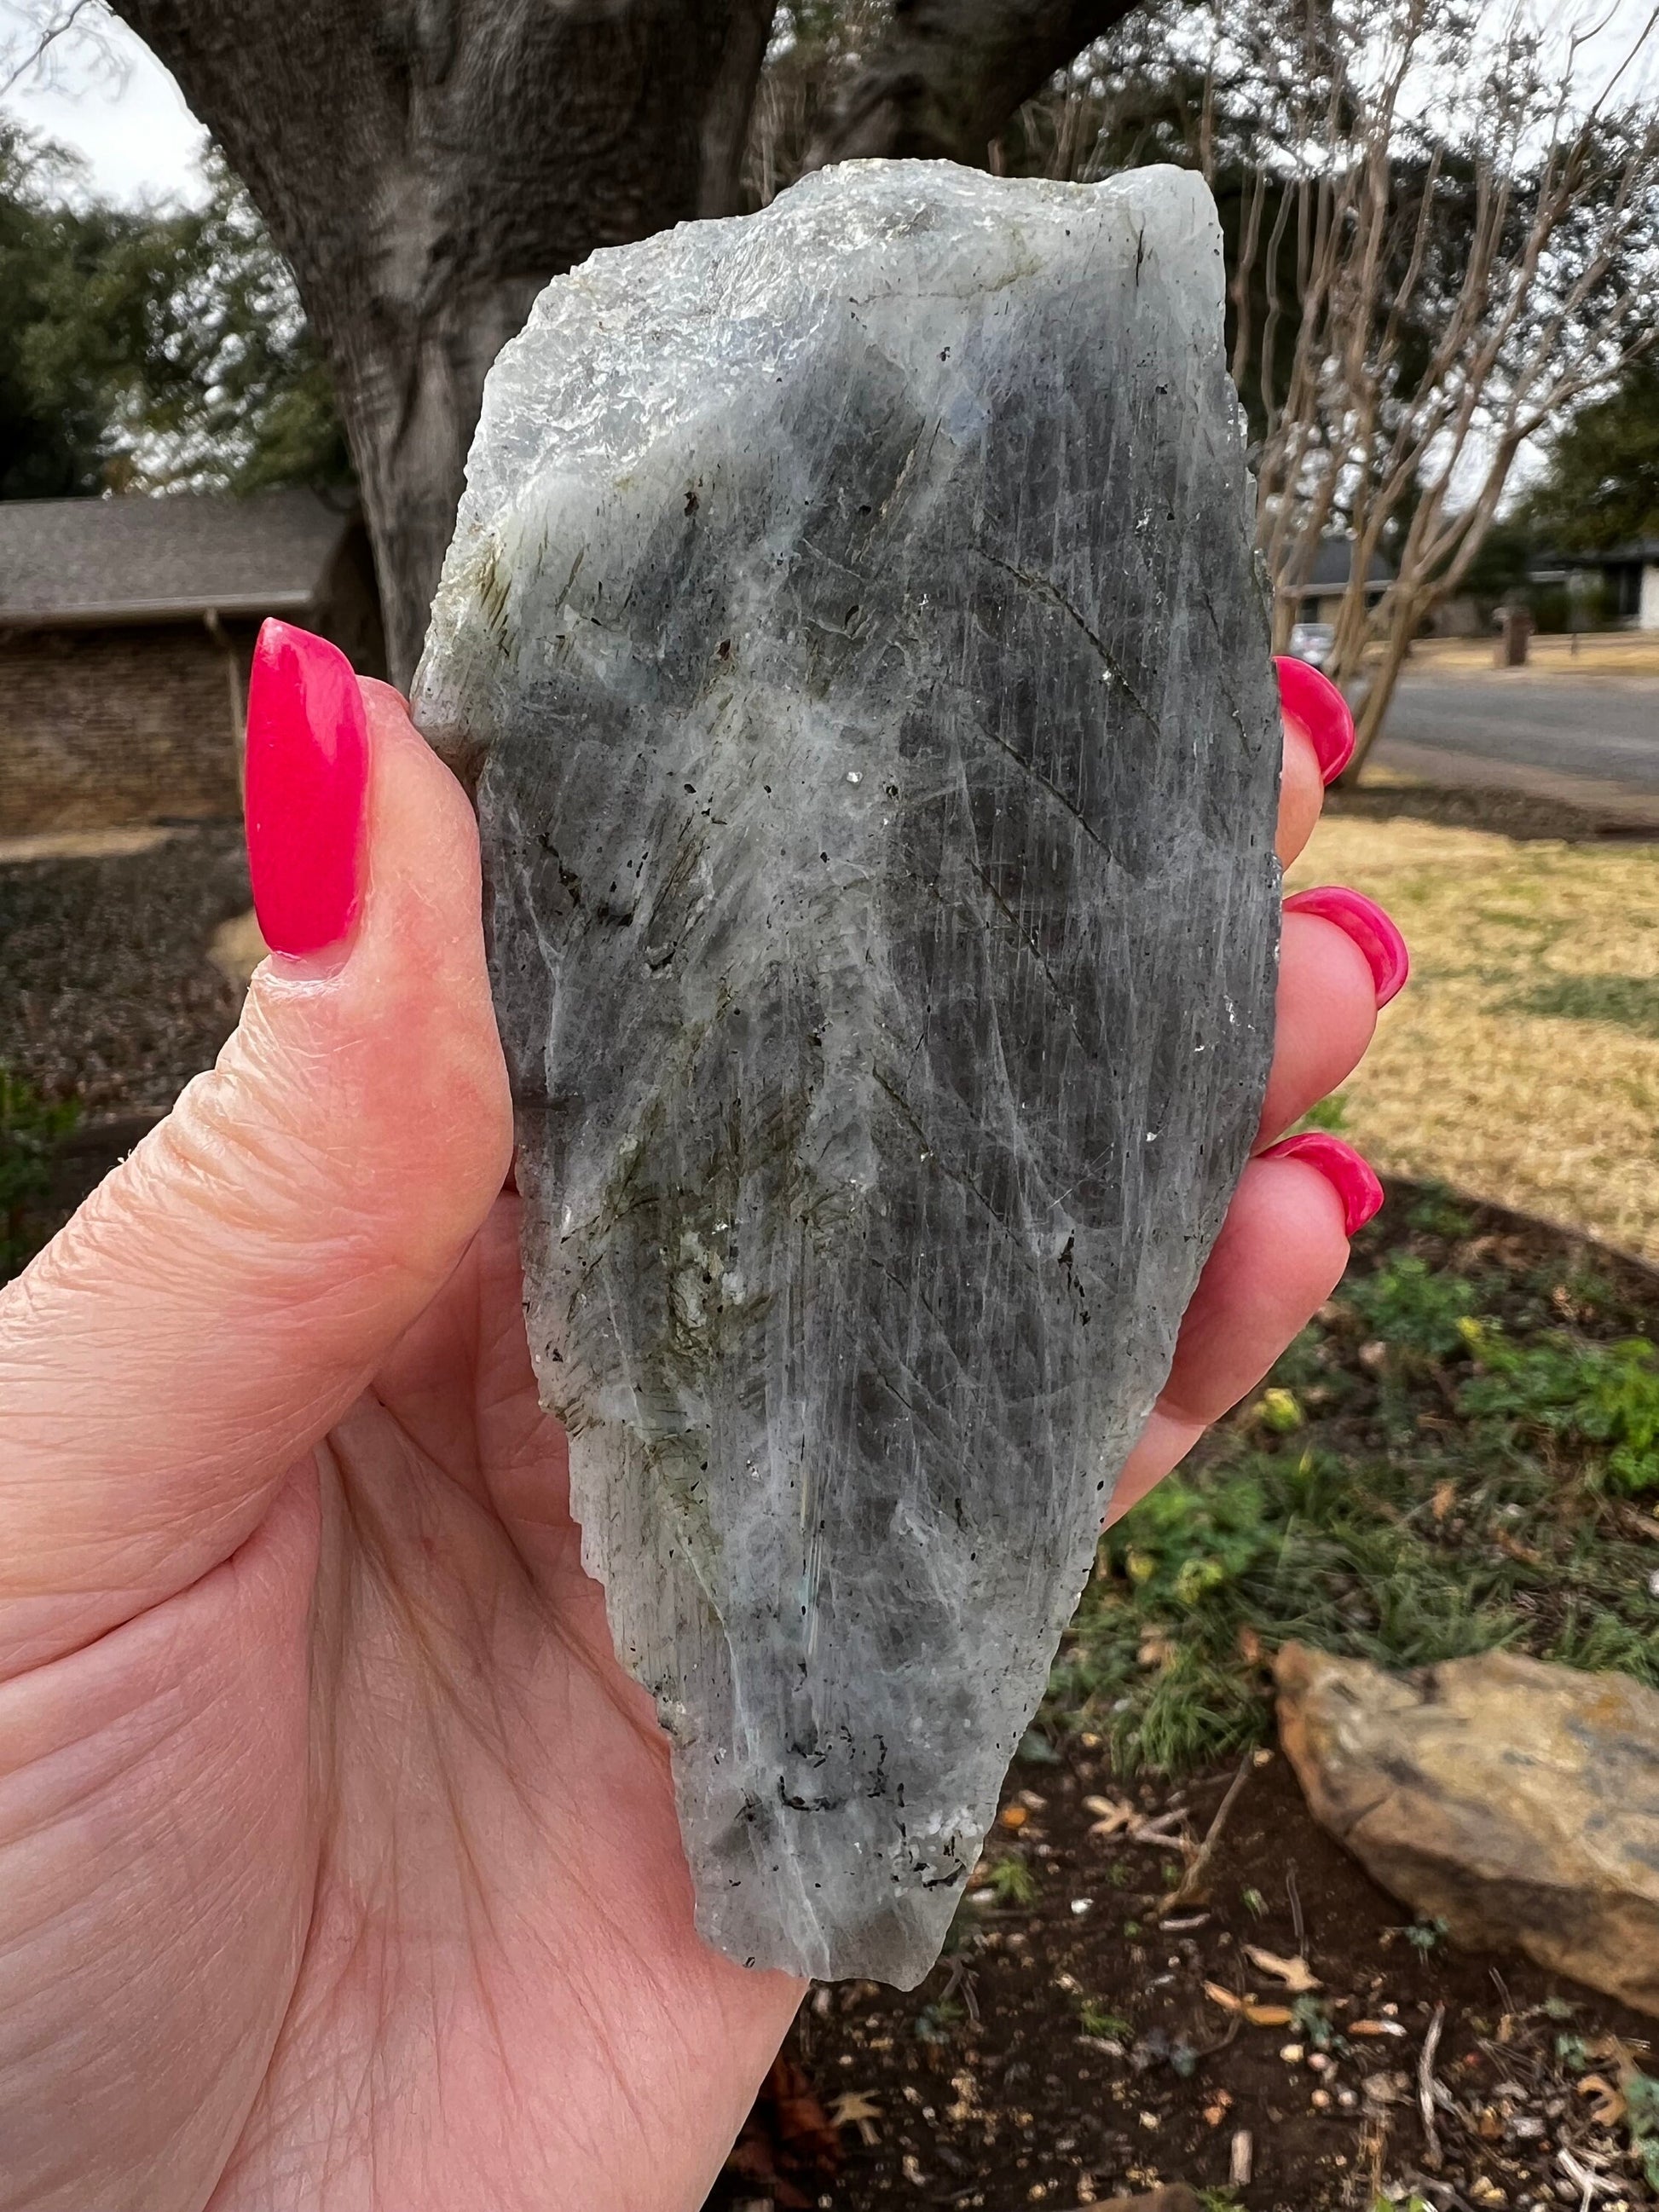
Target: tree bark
[
  {"x": 949, "y": 74},
  {"x": 426, "y": 165}
]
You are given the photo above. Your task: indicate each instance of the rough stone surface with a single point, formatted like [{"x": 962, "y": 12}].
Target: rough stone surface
[
  {"x": 851, "y": 611},
  {"x": 1515, "y": 1800}
]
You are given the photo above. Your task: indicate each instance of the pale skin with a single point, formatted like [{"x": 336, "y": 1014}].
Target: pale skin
[{"x": 338, "y": 1866}]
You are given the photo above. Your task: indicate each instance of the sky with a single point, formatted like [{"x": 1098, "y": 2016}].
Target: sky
[
  {"x": 111, "y": 102},
  {"x": 124, "y": 114}
]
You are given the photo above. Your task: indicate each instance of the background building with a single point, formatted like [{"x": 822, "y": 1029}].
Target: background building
[{"x": 127, "y": 626}]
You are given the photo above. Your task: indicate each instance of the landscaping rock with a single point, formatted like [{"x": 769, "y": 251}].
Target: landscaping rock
[{"x": 1517, "y": 1802}]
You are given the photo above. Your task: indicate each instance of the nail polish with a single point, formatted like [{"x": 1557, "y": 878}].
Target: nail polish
[
  {"x": 1371, "y": 928},
  {"x": 1352, "y": 1178},
  {"x": 1308, "y": 696},
  {"x": 307, "y": 791}
]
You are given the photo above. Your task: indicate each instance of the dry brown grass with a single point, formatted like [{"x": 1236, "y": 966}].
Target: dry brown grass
[
  {"x": 1601, "y": 652},
  {"x": 1521, "y": 1063}
]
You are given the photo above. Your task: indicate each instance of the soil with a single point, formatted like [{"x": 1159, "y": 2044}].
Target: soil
[
  {"x": 106, "y": 996},
  {"x": 1527, "y": 817},
  {"x": 993, "y": 2086}
]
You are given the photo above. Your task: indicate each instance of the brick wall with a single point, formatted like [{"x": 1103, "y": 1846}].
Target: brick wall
[{"x": 101, "y": 727}]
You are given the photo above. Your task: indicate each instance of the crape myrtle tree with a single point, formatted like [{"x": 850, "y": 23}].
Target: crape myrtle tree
[
  {"x": 426, "y": 166},
  {"x": 1442, "y": 230}
]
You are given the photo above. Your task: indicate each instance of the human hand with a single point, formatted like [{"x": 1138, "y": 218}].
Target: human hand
[{"x": 338, "y": 1862}]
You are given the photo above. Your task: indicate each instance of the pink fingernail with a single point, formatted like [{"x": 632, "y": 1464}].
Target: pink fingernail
[
  {"x": 1371, "y": 928},
  {"x": 307, "y": 787},
  {"x": 1307, "y": 695},
  {"x": 1352, "y": 1178}
]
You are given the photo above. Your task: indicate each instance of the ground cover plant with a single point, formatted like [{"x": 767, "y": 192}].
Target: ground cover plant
[{"x": 1459, "y": 1452}]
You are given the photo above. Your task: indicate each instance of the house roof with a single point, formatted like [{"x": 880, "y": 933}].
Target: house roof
[
  {"x": 1331, "y": 565},
  {"x": 1639, "y": 549},
  {"x": 71, "y": 563}
]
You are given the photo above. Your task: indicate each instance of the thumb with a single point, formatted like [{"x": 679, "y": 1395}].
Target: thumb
[{"x": 223, "y": 1296}]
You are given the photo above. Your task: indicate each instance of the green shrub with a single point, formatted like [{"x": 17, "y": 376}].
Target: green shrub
[
  {"x": 31, "y": 1130},
  {"x": 1605, "y": 1396},
  {"x": 1413, "y": 1307}
]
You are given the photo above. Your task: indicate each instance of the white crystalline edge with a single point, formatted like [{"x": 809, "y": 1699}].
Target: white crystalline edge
[{"x": 623, "y": 349}]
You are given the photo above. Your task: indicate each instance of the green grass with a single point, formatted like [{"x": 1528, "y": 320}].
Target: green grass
[
  {"x": 1436, "y": 1468},
  {"x": 31, "y": 1130}
]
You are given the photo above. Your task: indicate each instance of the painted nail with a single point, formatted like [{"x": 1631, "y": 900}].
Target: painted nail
[
  {"x": 1371, "y": 930},
  {"x": 1348, "y": 1175},
  {"x": 307, "y": 788},
  {"x": 1308, "y": 696}
]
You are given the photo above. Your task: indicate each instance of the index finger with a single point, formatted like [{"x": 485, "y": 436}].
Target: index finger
[{"x": 1318, "y": 739}]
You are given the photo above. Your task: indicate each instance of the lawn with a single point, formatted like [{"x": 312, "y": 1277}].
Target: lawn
[{"x": 1523, "y": 1062}]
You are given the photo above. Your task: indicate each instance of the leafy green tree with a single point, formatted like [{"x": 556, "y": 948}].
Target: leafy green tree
[
  {"x": 151, "y": 349},
  {"x": 54, "y": 417},
  {"x": 219, "y": 385},
  {"x": 1602, "y": 487}
]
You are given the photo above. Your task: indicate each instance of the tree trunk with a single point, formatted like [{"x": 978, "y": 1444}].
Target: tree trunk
[
  {"x": 949, "y": 74},
  {"x": 426, "y": 165},
  {"x": 1382, "y": 679}
]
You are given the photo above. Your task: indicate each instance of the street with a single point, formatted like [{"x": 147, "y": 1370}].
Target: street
[{"x": 1593, "y": 739}]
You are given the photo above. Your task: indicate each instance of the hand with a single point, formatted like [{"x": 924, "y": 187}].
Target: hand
[{"x": 338, "y": 1865}]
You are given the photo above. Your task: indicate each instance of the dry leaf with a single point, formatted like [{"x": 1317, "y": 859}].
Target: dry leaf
[
  {"x": 1445, "y": 1497},
  {"x": 1513, "y": 1548},
  {"x": 1156, "y": 1650},
  {"x": 1296, "y": 1973},
  {"x": 854, "y": 2108},
  {"x": 1110, "y": 1816},
  {"x": 1259, "y": 2015},
  {"x": 1249, "y": 1646},
  {"x": 1377, "y": 2028},
  {"x": 1610, "y": 2106},
  {"x": 1217, "y": 2109}
]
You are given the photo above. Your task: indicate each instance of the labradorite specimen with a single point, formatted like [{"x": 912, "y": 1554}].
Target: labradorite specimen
[{"x": 853, "y": 617}]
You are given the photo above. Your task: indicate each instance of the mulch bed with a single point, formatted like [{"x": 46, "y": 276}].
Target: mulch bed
[
  {"x": 1067, "y": 2050},
  {"x": 107, "y": 995}
]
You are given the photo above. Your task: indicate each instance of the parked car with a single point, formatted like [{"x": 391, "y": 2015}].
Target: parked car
[{"x": 1312, "y": 643}]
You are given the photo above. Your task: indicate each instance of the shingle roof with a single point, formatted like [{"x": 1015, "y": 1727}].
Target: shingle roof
[
  {"x": 1333, "y": 564},
  {"x": 71, "y": 562}
]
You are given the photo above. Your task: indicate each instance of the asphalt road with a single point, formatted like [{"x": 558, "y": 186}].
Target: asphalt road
[{"x": 1527, "y": 730}]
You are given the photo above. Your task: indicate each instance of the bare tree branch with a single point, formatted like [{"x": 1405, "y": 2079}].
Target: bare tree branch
[{"x": 44, "y": 29}]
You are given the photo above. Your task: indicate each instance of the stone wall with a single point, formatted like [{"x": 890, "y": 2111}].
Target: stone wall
[{"x": 102, "y": 728}]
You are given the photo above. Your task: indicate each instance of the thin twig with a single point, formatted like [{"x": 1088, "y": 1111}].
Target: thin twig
[
  {"x": 46, "y": 38},
  {"x": 1425, "y": 2086},
  {"x": 1190, "y": 1889}
]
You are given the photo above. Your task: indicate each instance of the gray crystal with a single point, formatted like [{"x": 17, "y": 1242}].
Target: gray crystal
[{"x": 852, "y": 609}]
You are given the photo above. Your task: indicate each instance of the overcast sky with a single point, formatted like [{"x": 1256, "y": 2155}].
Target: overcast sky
[
  {"x": 124, "y": 115},
  {"x": 129, "y": 121}
]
